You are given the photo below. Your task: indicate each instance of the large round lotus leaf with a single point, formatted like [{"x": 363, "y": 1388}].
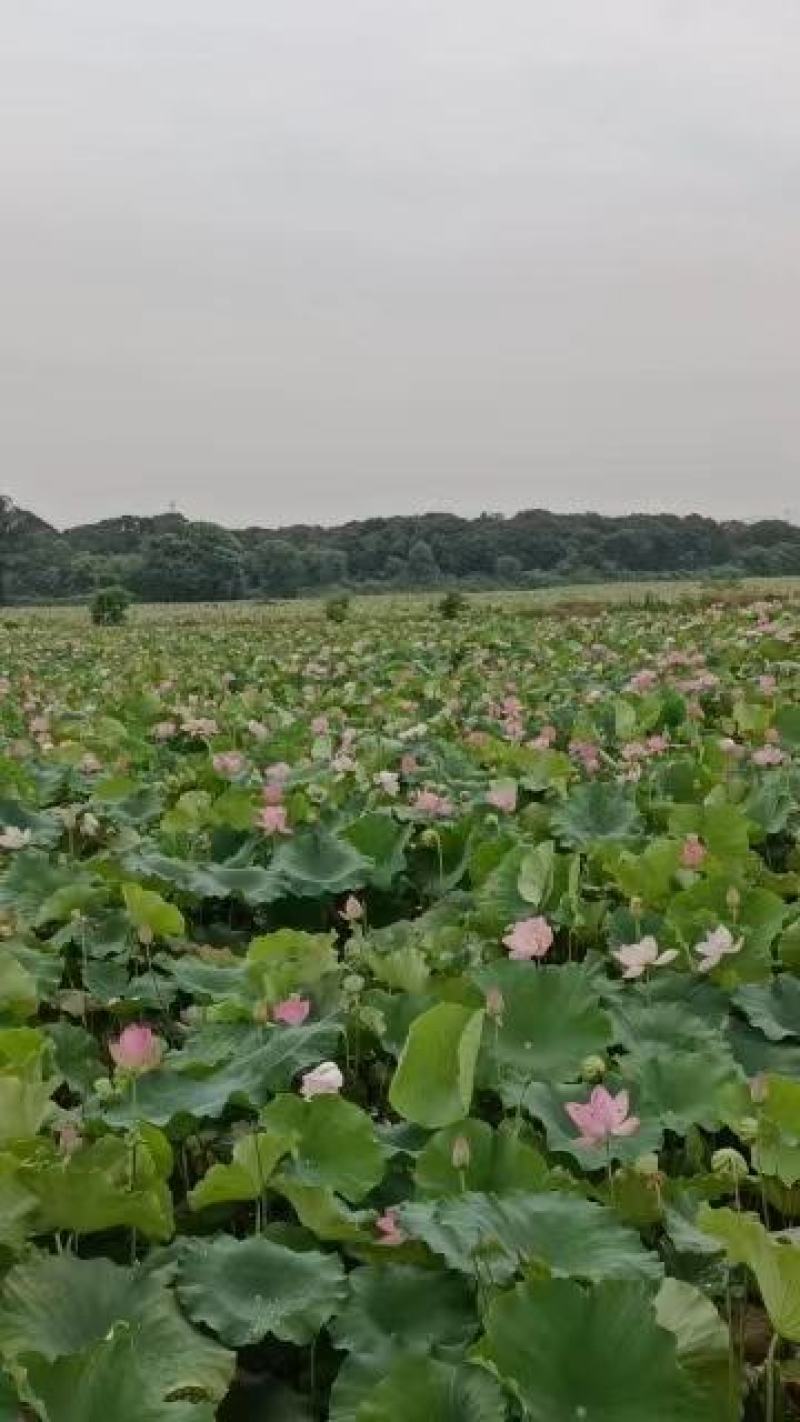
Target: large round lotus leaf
[
  {"x": 108, "y": 1380},
  {"x": 318, "y": 863},
  {"x": 417, "y": 1388},
  {"x": 550, "y": 1021},
  {"x": 498, "y": 1161},
  {"x": 334, "y": 1143},
  {"x": 167, "y": 1094},
  {"x": 245, "y": 1289},
  {"x": 682, "y": 1089},
  {"x": 59, "y": 1306},
  {"x": 398, "y": 1306},
  {"x": 597, "y": 1355},
  {"x": 487, "y": 1234},
  {"x": 595, "y": 813}
]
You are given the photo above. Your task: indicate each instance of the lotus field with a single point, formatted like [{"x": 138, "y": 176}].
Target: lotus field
[{"x": 400, "y": 1019}]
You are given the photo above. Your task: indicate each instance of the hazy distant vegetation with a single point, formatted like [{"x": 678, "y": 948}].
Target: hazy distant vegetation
[{"x": 169, "y": 558}]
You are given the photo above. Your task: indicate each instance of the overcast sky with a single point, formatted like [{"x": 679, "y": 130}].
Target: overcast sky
[{"x": 281, "y": 260}]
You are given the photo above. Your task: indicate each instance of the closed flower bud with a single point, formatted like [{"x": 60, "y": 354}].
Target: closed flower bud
[
  {"x": 495, "y": 1004},
  {"x": 593, "y": 1068},
  {"x": 733, "y": 898},
  {"x": 730, "y": 1164},
  {"x": 461, "y": 1153}
]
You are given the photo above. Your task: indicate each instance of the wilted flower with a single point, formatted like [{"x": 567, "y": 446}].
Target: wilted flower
[
  {"x": 529, "y": 938},
  {"x": 324, "y": 1080},
  {"x": 602, "y": 1117},
  {"x": 12, "y": 837},
  {"x": 353, "y": 910},
  {"x": 137, "y": 1050},
  {"x": 636, "y": 958},
  {"x": 293, "y": 1011}
]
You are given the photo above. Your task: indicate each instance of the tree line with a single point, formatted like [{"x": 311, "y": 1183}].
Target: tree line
[{"x": 169, "y": 558}]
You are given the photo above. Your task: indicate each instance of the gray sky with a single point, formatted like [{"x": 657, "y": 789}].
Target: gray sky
[{"x": 283, "y": 260}]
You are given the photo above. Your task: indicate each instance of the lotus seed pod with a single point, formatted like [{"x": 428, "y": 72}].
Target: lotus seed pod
[
  {"x": 730, "y": 1164},
  {"x": 593, "y": 1068},
  {"x": 647, "y": 1164}
]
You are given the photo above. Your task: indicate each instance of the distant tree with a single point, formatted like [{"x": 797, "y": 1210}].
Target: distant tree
[
  {"x": 422, "y": 566},
  {"x": 277, "y": 568},
  {"x": 507, "y": 568},
  {"x": 110, "y": 607}
]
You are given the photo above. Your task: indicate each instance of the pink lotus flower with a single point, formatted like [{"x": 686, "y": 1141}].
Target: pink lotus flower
[
  {"x": 643, "y": 680},
  {"x": 137, "y": 1050},
  {"x": 258, "y": 730},
  {"x": 319, "y": 726},
  {"x": 293, "y": 1011},
  {"x": 69, "y": 1139},
  {"x": 408, "y": 764},
  {"x": 427, "y": 802},
  {"x": 636, "y": 958},
  {"x": 272, "y": 794},
  {"x": 503, "y": 798},
  {"x": 228, "y": 763},
  {"x": 389, "y": 1230},
  {"x": 277, "y": 773},
  {"x": 495, "y": 1004},
  {"x": 272, "y": 820},
  {"x": 324, "y": 1080},
  {"x": 768, "y": 755},
  {"x": 164, "y": 731},
  {"x": 200, "y": 727},
  {"x": 767, "y": 684},
  {"x": 716, "y": 946},
  {"x": 602, "y": 1117},
  {"x": 353, "y": 910},
  {"x": 529, "y": 938},
  {"x": 546, "y": 738},
  {"x": 693, "y": 852}
]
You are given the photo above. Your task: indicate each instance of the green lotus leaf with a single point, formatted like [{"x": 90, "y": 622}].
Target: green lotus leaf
[
  {"x": 323, "y": 1213},
  {"x": 535, "y": 879},
  {"x": 595, "y": 813},
  {"x": 255, "y": 1157},
  {"x": 19, "y": 998},
  {"x": 288, "y": 961},
  {"x": 498, "y": 1162},
  {"x": 499, "y": 900},
  {"x": 776, "y": 1265},
  {"x": 317, "y": 862},
  {"x": 550, "y": 1022},
  {"x": 333, "y": 1143},
  {"x": 434, "y": 1080},
  {"x": 169, "y": 1094},
  {"x": 773, "y": 1009},
  {"x": 496, "y": 1235},
  {"x": 102, "y": 1187},
  {"x": 401, "y": 1307},
  {"x": 703, "y": 1343},
  {"x": 598, "y": 1354},
  {"x": 379, "y": 838},
  {"x": 682, "y": 1089},
  {"x": 60, "y": 1306},
  {"x": 245, "y": 1289},
  {"x": 150, "y": 912},
  {"x": 440, "y": 1392}
]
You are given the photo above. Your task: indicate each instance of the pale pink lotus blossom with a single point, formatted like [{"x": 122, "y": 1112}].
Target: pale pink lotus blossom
[
  {"x": 293, "y": 1011},
  {"x": 324, "y": 1080},
  {"x": 258, "y": 730},
  {"x": 587, "y": 753},
  {"x": 693, "y": 852},
  {"x": 272, "y": 794},
  {"x": 729, "y": 746},
  {"x": 137, "y": 1049},
  {"x": 353, "y": 910},
  {"x": 657, "y": 745},
  {"x": 503, "y": 798},
  {"x": 278, "y": 773},
  {"x": 545, "y": 739},
  {"x": 768, "y": 756},
  {"x": 637, "y": 958},
  {"x": 164, "y": 731},
  {"x": 389, "y": 1230},
  {"x": 12, "y": 837},
  {"x": 319, "y": 726},
  {"x": 90, "y": 764},
  {"x": 427, "y": 802},
  {"x": 69, "y": 1139},
  {"x": 389, "y": 782},
  {"x": 529, "y": 938},
  {"x": 408, "y": 764},
  {"x": 715, "y": 946},
  {"x": 272, "y": 820},
  {"x": 228, "y": 763},
  {"x": 767, "y": 684},
  {"x": 602, "y": 1117},
  {"x": 495, "y": 1004},
  {"x": 343, "y": 764}
]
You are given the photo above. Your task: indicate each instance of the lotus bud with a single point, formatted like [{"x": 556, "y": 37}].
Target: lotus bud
[
  {"x": 495, "y": 1004},
  {"x": 730, "y": 1164},
  {"x": 461, "y": 1153},
  {"x": 593, "y": 1068},
  {"x": 733, "y": 899},
  {"x": 353, "y": 984},
  {"x": 429, "y": 838},
  {"x": 759, "y": 1089},
  {"x": 103, "y": 1088},
  {"x": 747, "y": 1129},
  {"x": 636, "y": 906}
]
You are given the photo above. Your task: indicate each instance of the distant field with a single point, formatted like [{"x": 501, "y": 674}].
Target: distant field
[{"x": 583, "y": 595}]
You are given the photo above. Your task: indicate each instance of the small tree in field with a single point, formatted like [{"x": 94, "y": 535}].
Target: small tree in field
[
  {"x": 337, "y": 608},
  {"x": 110, "y": 607},
  {"x": 452, "y": 605}
]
